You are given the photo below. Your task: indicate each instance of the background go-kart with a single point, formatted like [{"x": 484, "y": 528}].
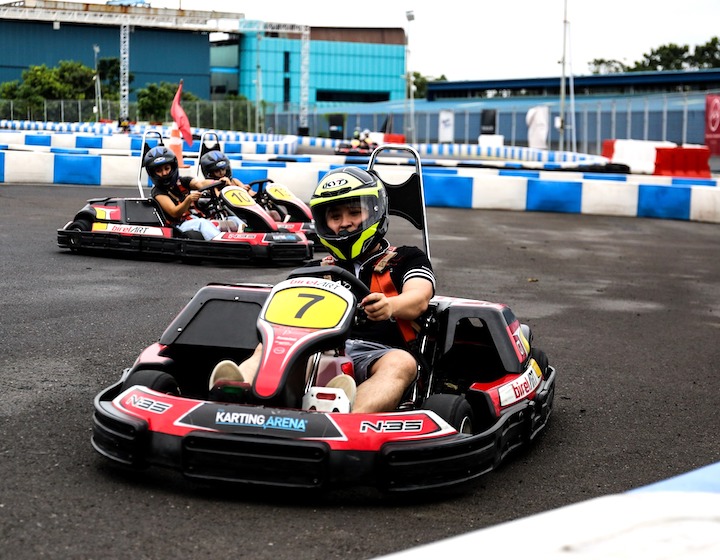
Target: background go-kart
[{"x": 627, "y": 309}]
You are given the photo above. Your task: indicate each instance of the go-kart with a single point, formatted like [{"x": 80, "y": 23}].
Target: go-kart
[
  {"x": 482, "y": 390},
  {"x": 355, "y": 148},
  {"x": 290, "y": 213},
  {"x": 139, "y": 226}
]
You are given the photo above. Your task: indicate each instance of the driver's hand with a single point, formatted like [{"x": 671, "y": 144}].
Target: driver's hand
[
  {"x": 194, "y": 195},
  {"x": 377, "y": 306}
]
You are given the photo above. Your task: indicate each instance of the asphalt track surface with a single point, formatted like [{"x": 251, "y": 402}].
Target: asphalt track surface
[{"x": 627, "y": 309}]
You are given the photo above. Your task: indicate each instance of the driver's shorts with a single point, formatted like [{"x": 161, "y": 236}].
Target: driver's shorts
[{"x": 364, "y": 354}]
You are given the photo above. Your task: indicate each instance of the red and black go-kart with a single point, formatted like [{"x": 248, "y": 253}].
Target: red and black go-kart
[
  {"x": 138, "y": 226},
  {"x": 482, "y": 389},
  {"x": 290, "y": 212},
  {"x": 355, "y": 148}
]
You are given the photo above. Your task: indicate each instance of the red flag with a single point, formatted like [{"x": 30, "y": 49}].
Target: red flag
[{"x": 180, "y": 118}]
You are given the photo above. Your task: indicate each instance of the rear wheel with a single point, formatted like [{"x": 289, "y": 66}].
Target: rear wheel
[
  {"x": 454, "y": 409},
  {"x": 159, "y": 381}
]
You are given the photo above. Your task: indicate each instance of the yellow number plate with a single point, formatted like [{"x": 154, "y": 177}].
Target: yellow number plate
[
  {"x": 238, "y": 196},
  {"x": 307, "y": 307},
  {"x": 279, "y": 192}
]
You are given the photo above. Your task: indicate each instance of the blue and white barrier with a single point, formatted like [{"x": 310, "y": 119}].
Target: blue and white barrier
[
  {"x": 104, "y": 138},
  {"x": 114, "y": 160},
  {"x": 676, "y": 518}
]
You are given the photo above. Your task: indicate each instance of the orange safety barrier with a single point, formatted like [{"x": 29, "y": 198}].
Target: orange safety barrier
[
  {"x": 389, "y": 138},
  {"x": 683, "y": 161}
]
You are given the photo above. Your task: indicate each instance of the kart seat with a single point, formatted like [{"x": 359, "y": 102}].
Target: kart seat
[{"x": 472, "y": 357}]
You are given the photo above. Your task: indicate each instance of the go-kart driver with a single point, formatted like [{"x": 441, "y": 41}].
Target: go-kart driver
[
  {"x": 216, "y": 165},
  {"x": 350, "y": 210},
  {"x": 177, "y": 195}
]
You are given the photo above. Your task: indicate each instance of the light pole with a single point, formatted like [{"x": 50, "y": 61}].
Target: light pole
[
  {"x": 410, "y": 15},
  {"x": 561, "y": 128},
  {"x": 98, "y": 88},
  {"x": 258, "y": 84}
]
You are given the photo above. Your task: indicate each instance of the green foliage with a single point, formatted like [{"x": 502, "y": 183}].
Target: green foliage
[
  {"x": 665, "y": 57},
  {"x": 707, "y": 55},
  {"x": 109, "y": 70},
  {"x": 78, "y": 80},
  {"x": 606, "y": 66},
  {"x": 154, "y": 101},
  {"x": 69, "y": 80}
]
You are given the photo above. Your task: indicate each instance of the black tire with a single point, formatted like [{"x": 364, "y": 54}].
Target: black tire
[
  {"x": 454, "y": 409},
  {"x": 77, "y": 226},
  {"x": 159, "y": 381},
  {"x": 541, "y": 359},
  {"x": 80, "y": 225}
]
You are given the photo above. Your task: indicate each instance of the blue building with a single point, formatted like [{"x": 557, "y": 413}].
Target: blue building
[{"x": 216, "y": 54}]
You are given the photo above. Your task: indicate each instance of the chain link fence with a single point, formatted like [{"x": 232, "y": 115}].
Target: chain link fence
[{"x": 678, "y": 118}]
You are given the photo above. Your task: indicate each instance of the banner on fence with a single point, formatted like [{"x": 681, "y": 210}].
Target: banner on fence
[
  {"x": 446, "y": 127},
  {"x": 712, "y": 124}
]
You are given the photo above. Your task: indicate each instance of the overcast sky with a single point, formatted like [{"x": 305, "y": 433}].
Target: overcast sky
[{"x": 482, "y": 40}]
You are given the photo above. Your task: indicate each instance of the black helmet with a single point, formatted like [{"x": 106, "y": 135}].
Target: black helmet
[
  {"x": 213, "y": 161},
  {"x": 351, "y": 185},
  {"x": 157, "y": 157}
]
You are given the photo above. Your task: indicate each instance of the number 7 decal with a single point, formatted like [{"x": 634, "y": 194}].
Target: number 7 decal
[{"x": 314, "y": 298}]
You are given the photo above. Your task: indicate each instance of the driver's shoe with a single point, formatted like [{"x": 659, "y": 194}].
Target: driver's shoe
[
  {"x": 226, "y": 370},
  {"x": 347, "y": 384}
]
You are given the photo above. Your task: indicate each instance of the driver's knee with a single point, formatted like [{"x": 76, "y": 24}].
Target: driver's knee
[{"x": 398, "y": 363}]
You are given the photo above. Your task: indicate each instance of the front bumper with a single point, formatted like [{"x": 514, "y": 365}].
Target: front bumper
[{"x": 257, "y": 459}]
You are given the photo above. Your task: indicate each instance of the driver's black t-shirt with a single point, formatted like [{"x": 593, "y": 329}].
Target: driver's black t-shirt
[
  {"x": 177, "y": 194},
  {"x": 409, "y": 262}
]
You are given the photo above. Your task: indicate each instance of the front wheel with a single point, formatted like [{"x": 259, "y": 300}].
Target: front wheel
[
  {"x": 159, "y": 381},
  {"x": 76, "y": 227},
  {"x": 454, "y": 409},
  {"x": 80, "y": 225}
]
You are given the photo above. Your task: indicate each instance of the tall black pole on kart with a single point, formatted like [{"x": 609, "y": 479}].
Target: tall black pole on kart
[{"x": 406, "y": 199}]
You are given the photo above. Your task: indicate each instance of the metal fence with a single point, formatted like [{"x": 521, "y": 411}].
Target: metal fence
[
  {"x": 218, "y": 115},
  {"x": 678, "y": 118}
]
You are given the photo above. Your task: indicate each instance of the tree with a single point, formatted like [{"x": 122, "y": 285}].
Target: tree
[
  {"x": 154, "y": 101},
  {"x": 707, "y": 55},
  {"x": 665, "y": 57},
  {"x": 69, "y": 80},
  {"x": 109, "y": 71},
  {"x": 40, "y": 82},
  {"x": 605, "y": 66},
  {"x": 421, "y": 83},
  {"x": 77, "y": 80}
]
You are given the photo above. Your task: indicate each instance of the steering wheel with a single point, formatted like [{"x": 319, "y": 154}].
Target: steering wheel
[
  {"x": 212, "y": 186},
  {"x": 347, "y": 279},
  {"x": 260, "y": 183},
  {"x": 209, "y": 203}
]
